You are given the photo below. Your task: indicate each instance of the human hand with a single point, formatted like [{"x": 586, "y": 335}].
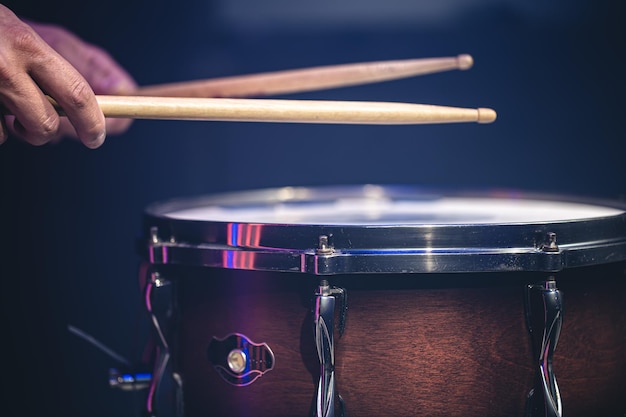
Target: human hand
[{"x": 38, "y": 60}]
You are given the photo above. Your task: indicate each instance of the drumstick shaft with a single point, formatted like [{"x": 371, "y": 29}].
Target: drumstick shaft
[
  {"x": 308, "y": 79},
  {"x": 287, "y": 111}
]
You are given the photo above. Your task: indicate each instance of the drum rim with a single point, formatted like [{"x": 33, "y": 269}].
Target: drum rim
[{"x": 386, "y": 248}]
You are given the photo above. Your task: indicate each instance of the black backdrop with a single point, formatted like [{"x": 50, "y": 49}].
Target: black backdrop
[{"x": 70, "y": 216}]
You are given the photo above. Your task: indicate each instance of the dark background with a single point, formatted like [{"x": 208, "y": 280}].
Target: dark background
[{"x": 70, "y": 216}]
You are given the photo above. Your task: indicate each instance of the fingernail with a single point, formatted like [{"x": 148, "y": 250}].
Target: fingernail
[{"x": 99, "y": 140}]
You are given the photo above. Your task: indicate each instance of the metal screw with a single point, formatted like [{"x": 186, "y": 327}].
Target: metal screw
[
  {"x": 154, "y": 235},
  {"x": 549, "y": 244},
  {"x": 323, "y": 246}
]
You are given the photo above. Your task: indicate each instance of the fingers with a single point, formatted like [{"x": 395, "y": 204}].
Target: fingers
[
  {"x": 18, "y": 93},
  {"x": 100, "y": 70},
  {"x": 106, "y": 77},
  {"x": 40, "y": 60},
  {"x": 4, "y": 133},
  {"x": 34, "y": 118},
  {"x": 29, "y": 67},
  {"x": 74, "y": 95}
]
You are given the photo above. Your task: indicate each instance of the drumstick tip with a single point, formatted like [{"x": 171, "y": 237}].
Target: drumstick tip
[
  {"x": 486, "y": 115},
  {"x": 465, "y": 61}
]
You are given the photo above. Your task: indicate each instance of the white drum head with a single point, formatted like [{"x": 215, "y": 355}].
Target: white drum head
[{"x": 383, "y": 211}]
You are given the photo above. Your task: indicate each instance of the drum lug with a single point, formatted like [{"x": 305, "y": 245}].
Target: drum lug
[
  {"x": 544, "y": 317},
  {"x": 324, "y": 317},
  {"x": 165, "y": 390}
]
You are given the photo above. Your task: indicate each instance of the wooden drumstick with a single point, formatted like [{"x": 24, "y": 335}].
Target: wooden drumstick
[
  {"x": 287, "y": 111},
  {"x": 308, "y": 79}
]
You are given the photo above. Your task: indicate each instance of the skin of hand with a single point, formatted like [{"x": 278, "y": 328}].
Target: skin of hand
[{"x": 41, "y": 59}]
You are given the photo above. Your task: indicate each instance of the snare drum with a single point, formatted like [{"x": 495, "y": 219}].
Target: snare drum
[{"x": 386, "y": 300}]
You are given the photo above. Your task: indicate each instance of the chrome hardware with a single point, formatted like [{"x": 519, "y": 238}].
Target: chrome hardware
[
  {"x": 323, "y": 247},
  {"x": 549, "y": 243},
  {"x": 165, "y": 389},
  {"x": 390, "y": 230},
  {"x": 154, "y": 235},
  {"x": 158, "y": 248},
  {"x": 238, "y": 360},
  {"x": 544, "y": 317},
  {"x": 129, "y": 381},
  {"x": 324, "y": 317}
]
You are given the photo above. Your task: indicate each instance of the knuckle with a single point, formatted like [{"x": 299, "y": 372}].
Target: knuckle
[
  {"x": 79, "y": 94},
  {"x": 50, "y": 125},
  {"x": 23, "y": 47},
  {"x": 43, "y": 131},
  {"x": 47, "y": 128},
  {"x": 22, "y": 37}
]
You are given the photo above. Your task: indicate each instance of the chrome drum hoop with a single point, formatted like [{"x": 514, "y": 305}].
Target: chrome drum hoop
[{"x": 332, "y": 242}]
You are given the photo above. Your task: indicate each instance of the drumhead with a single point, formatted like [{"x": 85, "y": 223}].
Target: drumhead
[{"x": 356, "y": 229}]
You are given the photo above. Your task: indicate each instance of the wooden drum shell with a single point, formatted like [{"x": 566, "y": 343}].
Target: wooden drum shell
[{"x": 414, "y": 344}]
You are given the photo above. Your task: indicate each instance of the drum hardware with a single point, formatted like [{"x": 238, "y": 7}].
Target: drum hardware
[
  {"x": 322, "y": 258},
  {"x": 159, "y": 247},
  {"x": 548, "y": 244},
  {"x": 129, "y": 381},
  {"x": 238, "y": 360},
  {"x": 325, "y": 259},
  {"x": 324, "y": 319},
  {"x": 324, "y": 248},
  {"x": 158, "y": 296},
  {"x": 544, "y": 315}
]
